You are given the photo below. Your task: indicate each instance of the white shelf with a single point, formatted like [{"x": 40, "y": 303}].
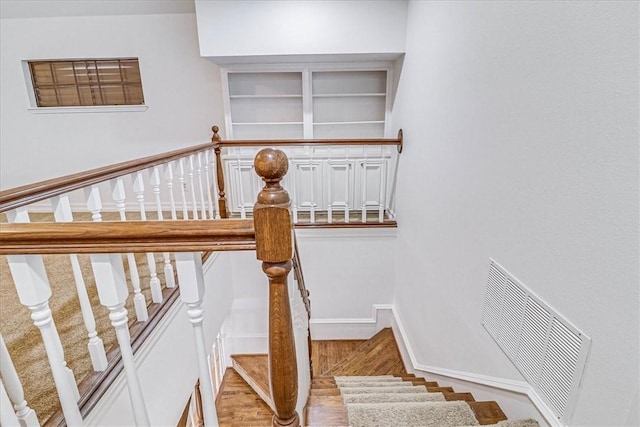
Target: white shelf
[
  {"x": 262, "y": 96},
  {"x": 349, "y": 123},
  {"x": 264, "y": 123},
  {"x": 347, "y": 95}
]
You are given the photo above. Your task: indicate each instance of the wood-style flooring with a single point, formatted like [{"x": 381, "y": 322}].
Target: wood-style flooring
[{"x": 239, "y": 405}]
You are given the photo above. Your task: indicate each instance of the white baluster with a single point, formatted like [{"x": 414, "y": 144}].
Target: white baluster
[
  {"x": 312, "y": 212},
  {"x": 168, "y": 172},
  {"x": 169, "y": 277},
  {"x": 34, "y": 292},
  {"x": 62, "y": 213},
  {"x": 26, "y": 417},
  {"x": 348, "y": 171},
  {"x": 363, "y": 183},
  {"x": 154, "y": 282},
  {"x": 243, "y": 210},
  {"x": 383, "y": 190},
  {"x": 191, "y": 174},
  {"x": 294, "y": 192},
  {"x": 139, "y": 301},
  {"x": 208, "y": 169},
  {"x": 190, "y": 274},
  {"x": 203, "y": 209},
  {"x": 183, "y": 188},
  {"x": 94, "y": 203},
  {"x": 112, "y": 291}
]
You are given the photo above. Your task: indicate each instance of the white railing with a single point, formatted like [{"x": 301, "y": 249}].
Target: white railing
[{"x": 137, "y": 190}]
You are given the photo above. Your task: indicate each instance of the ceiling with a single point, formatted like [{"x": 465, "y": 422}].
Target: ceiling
[{"x": 11, "y": 9}]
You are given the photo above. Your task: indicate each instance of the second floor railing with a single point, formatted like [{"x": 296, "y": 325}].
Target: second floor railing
[{"x": 337, "y": 182}]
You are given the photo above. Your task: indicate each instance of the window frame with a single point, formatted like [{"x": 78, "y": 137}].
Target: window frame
[{"x": 33, "y": 104}]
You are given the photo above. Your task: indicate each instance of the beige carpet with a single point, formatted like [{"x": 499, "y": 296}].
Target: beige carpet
[
  {"x": 388, "y": 401},
  {"x": 23, "y": 339}
]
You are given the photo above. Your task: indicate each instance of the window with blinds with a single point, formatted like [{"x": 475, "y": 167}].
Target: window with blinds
[{"x": 86, "y": 82}]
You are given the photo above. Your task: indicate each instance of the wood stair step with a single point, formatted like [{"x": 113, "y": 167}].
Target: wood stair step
[
  {"x": 325, "y": 401},
  {"x": 326, "y": 416},
  {"x": 487, "y": 412},
  {"x": 254, "y": 369},
  {"x": 468, "y": 397}
]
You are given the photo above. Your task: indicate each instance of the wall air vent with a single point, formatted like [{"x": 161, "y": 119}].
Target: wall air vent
[{"x": 548, "y": 350}]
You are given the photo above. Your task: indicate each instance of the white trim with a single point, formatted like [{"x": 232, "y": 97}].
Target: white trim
[
  {"x": 352, "y": 328},
  {"x": 516, "y": 386},
  {"x": 90, "y": 109}
]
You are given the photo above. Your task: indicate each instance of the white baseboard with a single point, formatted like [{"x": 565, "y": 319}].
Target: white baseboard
[
  {"x": 503, "y": 384},
  {"x": 353, "y": 328}
]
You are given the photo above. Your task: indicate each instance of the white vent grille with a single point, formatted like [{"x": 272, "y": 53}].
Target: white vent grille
[{"x": 549, "y": 351}]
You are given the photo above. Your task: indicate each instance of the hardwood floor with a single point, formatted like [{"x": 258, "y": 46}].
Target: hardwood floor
[
  {"x": 325, "y": 354},
  {"x": 376, "y": 356},
  {"x": 237, "y": 404}
]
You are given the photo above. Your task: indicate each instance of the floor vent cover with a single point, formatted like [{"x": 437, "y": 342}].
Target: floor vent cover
[{"x": 548, "y": 350}]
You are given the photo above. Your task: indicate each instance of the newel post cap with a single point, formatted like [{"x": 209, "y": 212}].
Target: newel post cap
[{"x": 271, "y": 213}]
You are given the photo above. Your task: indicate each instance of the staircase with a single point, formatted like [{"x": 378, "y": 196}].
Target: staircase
[{"x": 357, "y": 383}]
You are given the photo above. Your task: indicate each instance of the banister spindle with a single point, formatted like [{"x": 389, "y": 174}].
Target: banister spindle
[
  {"x": 274, "y": 247},
  {"x": 169, "y": 276},
  {"x": 191, "y": 172},
  {"x": 208, "y": 167},
  {"x": 203, "y": 206},
  {"x": 34, "y": 292},
  {"x": 62, "y": 213},
  {"x": 191, "y": 276},
  {"x": 222, "y": 201},
  {"x": 26, "y": 416},
  {"x": 154, "y": 282},
  {"x": 139, "y": 301},
  {"x": 112, "y": 291},
  {"x": 168, "y": 170},
  {"x": 183, "y": 188}
]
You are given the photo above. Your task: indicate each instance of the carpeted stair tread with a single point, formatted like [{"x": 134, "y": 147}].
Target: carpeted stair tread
[
  {"x": 513, "y": 423},
  {"x": 423, "y": 414},
  {"x": 373, "y": 384},
  {"x": 399, "y": 389},
  {"x": 356, "y": 378},
  {"x": 393, "y": 397}
]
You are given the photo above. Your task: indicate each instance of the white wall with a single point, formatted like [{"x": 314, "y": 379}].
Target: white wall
[
  {"x": 235, "y": 29},
  {"x": 181, "y": 89},
  {"x": 521, "y": 144},
  {"x": 348, "y": 272}
]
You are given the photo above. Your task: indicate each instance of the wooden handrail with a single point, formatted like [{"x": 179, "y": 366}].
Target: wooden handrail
[
  {"x": 298, "y": 142},
  {"x": 31, "y": 193},
  {"x": 130, "y": 236}
]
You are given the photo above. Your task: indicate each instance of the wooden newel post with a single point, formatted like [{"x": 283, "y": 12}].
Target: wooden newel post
[
  {"x": 274, "y": 247},
  {"x": 222, "y": 201}
]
